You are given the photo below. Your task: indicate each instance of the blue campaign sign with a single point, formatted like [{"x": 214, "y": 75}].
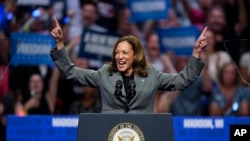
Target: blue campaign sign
[
  {"x": 206, "y": 128},
  {"x": 143, "y": 10},
  {"x": 64, "y": 128},
  {"x": 179, "y": 40},
  {"x": 97, "y": 45},
  {"x": 42, "y": 128},
  {"x": 31, "y": 49},
  {"x": 33, "y": 2}
]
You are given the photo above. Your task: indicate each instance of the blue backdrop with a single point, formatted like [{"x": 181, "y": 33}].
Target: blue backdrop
[{"x": 64, "y": 128}]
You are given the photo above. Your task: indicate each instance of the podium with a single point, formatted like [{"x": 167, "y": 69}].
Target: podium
[{"x": 125, "y": 127}]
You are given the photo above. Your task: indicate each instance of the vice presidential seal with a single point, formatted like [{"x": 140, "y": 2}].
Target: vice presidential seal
[{"x": 126, "y": 132}]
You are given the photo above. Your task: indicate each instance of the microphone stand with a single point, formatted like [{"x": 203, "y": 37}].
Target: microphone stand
[
  {"x": 119, "y": 96},
  {"x": 125, "y": 99}
]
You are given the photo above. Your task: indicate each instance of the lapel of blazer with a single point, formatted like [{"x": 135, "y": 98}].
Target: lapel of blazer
[
  {"x": 140, "y": 83},
  {"x": 117, "y": 76}
]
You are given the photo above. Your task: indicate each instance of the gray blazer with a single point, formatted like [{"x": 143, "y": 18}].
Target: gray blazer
[{"x": 143, "y": 101}]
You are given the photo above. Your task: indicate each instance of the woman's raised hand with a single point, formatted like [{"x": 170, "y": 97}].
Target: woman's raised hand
[
  {"x": 200, "y": 44},
  {"x": 57, "y": 34}
]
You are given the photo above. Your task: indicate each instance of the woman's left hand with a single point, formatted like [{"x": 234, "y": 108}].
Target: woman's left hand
[{"x": 200, "y": 44}]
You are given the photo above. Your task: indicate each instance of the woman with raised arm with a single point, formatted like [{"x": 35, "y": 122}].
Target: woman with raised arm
[{"x": 128, "y": 84}]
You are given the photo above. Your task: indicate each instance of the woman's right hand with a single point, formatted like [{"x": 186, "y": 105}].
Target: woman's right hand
[
  {"x": 57, "y": 34},
  {"x": 33, "y": 102}
]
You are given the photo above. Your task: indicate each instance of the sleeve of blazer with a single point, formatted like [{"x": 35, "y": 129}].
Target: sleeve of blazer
[
  {"x": 71, "y": 72},
  {"x": 181, "y": 80}
]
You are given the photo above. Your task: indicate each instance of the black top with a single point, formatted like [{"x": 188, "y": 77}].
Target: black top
[
  {"x": 126, "y": 80},
  {"x": 43, "y": 108}
]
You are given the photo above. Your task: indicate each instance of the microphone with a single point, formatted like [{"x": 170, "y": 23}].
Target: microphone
[
  {"x": 119, "y": 96},
  {"x": 131, "y": 90},
  {"x": 118, "y": 87}
]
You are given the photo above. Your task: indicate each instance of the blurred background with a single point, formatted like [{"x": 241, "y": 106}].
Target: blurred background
[{"x": 30, "y": 84}]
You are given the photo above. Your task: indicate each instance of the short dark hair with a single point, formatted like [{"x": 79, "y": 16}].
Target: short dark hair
[{"x": 90, "y": 2}]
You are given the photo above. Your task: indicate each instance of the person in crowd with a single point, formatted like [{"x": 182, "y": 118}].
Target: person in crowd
[
  {"x": 108, "y": 11},
  {"x": 90, "y": 15},
  {"x": 195, "y": 96},
  {"x": 244, "y": 66},
  {"x": 141, "y": 81},
  {"x": 170, "y": 22},
  {"x": 162, "y": 62},
  {"x": 154, "y": 56},
  {"x": 217, "y": 22},
  {"x": 37, "y": 103},
  {"x": 40, "y": 100},
  {"x": 195, "y": 13},
  {"x": 9, "y": 105},
  {"x": 125, "y": 27},
  {"x": 74, "y": 24},
  {"x": 216, "y": 58},
  {"x": 88, "y": 102},
  {"x": 229, "y": 99}
]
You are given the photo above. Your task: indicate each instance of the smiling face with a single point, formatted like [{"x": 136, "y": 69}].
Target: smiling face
[
  {"x": 216, "y": 19},
  {"x": 90, "y": 14},
  {"x": 128, "y": 57},
  {"x": 124, "y": 56}
]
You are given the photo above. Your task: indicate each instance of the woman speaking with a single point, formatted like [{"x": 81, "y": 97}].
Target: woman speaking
[{"x": 128, "y": 84}]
